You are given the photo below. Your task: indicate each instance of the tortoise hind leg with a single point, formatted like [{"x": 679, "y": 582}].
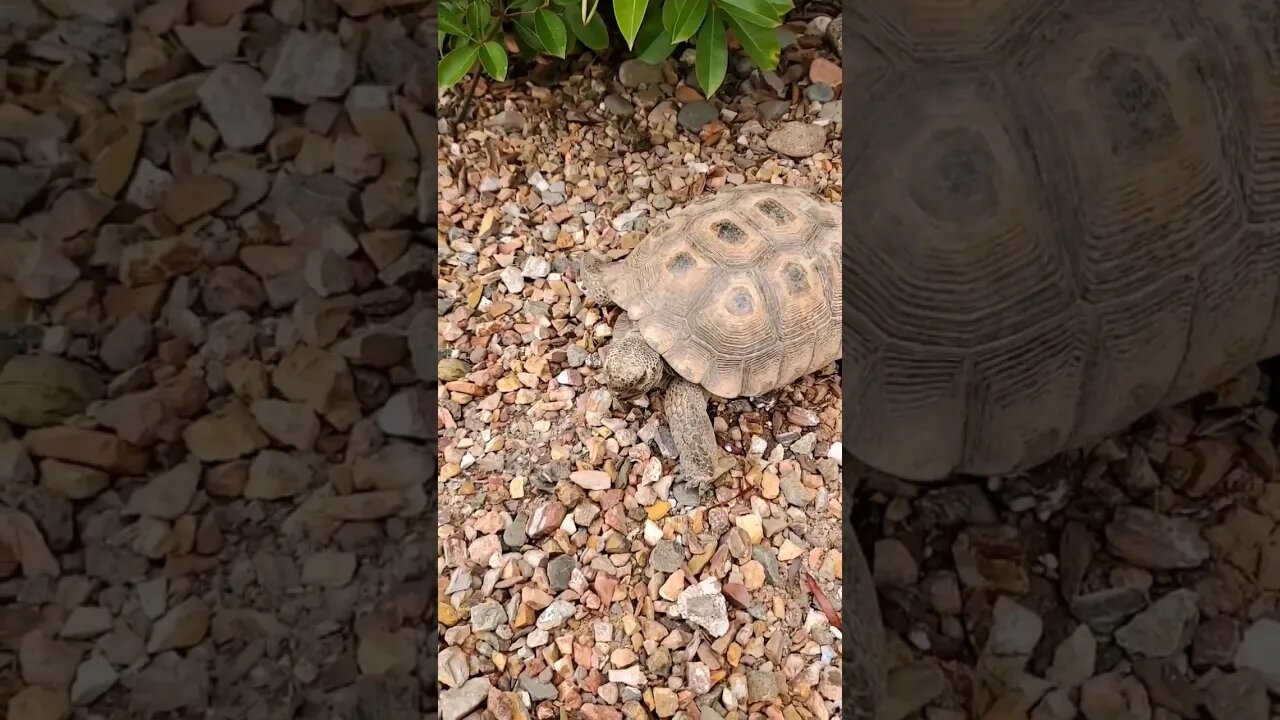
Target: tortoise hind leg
[{"x": 686, "y": 406}]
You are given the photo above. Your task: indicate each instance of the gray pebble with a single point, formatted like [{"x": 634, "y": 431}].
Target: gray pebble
[
  {"x": 694, "y": 116},
  {"x": 618, "y": 105},
  {"x": 820, "y": 92}
]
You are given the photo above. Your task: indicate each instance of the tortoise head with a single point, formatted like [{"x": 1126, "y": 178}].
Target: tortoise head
[
  {"x": 632, "y": 367},
  {"x": 591, "y": 279}
]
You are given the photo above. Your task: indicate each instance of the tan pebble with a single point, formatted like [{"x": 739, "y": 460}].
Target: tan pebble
[
  {"x": 753, "y": 575},
  {"x": 670, "y": 589},
  {"x": 183, "y": 626},
  {"x": 770, "y": 486},
  {"x": 789, "y": 551},
  {"x": 752, "y": 525},
  {"x": 658, "y": 510},
  {"x": 37, "y": 703},
  {"x": 590, "y": 479}
]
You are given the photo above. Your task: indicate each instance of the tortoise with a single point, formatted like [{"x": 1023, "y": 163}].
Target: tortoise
[
  {"x": 1063, "y": 214},
  {"x": 735, "y": 294}
]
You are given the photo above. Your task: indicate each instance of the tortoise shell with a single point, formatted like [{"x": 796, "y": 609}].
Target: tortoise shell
[
  {"x": 1065, "y": 215},
  {"x": 740, "y": 290}
]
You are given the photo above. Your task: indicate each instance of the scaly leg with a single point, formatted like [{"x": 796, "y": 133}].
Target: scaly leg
[{"x": 686, "y": 406}]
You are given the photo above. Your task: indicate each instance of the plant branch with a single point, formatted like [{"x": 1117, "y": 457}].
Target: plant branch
[{"x": 466, "y": 101}]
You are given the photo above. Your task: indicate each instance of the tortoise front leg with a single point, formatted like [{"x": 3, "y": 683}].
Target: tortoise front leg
[{"x": 686, "y": 406}]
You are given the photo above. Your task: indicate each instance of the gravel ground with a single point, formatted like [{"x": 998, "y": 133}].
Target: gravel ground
[
  {"x": 571, "y": 584},
  {"x": 213, "y": 463},
  {"x": 1137, "y": 580}
]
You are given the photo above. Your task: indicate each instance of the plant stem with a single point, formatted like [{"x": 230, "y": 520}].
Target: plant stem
[{"x": 466, "y": 102}]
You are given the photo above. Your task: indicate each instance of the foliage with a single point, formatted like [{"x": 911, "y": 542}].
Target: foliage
[{"x": 477, "y": 32}]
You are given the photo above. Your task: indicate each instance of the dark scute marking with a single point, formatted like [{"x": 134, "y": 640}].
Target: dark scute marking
[
  {"x": 797, "y": 280},
  {"x": 680, "y": 265},
  {"x": 740, "y": 304},
  {"x": 775, "y": 212},
  {"x": 730, "y": 233},
  {"x": 952, "y": 179},
  {"x": 1129, "y": 91}
]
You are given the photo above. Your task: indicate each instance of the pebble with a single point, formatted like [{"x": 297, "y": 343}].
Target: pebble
[
  {"x": 86, "y": 623},
  {"x": 560, "y": 571},
  {"x": 590, "y": 479},
  {"x": 667, "y": 556},
  {"x": 820, "y": 92},
  {"x": 488, "y": 616},
  {"x": 797, "y": 139},
  {"x": 168, "y": 495},
  {"x": 697, "y": 115},
  {"x": 184, "y": 626},
  {"x": 1015, "y": 629},
  {"x": 703, "y": 605},
  {"x": 311, "y": 66},
  {"x": 634, "y": 73},
  {"x": 618, "y": 106},
  {"x": 1155, "y": 541},
  {"x": 1164, "y": 628},
  {"x": 556, "y": 614},
  {"x": 329, "y": 569},
  {"x": 1259, "y": 650},
  {"x": 275, "y": 475},
  {"x": 455, "y": 704},
  {"x": 37, "y": 703},
  {"x": 233, "y": 97},
  {"x": 1237, "y": 696},
  {"x": 94, "y": 678}
]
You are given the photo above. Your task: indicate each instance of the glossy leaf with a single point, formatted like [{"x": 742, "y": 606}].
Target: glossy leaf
[
  {"x": 760, "y": 43},
  {"x": 494, "y": 59},
  {"x": 712, "y": 59},
  {"x": 682, "y": 18},
  {"x": 552, "y": 32},
  {"x": 754, "y": 12},
  {"x": 653, "y": 42},
  {"x": 527, "y": 35},
  {"x": 454, "y": 66},
  {"x": 594, "y": 34},
  {"x": 630, "y": 15},
  {"x": 478, "y": 19},
  {"x": 451, "y": 22}
]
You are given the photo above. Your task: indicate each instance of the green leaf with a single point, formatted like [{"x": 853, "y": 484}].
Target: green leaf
[
  {"x": 755, "y": 12},
  {"x": 524, "y": 6},
  {"x": 527, "y": 36},
  {"x": 653, "y": 42},
  {"x": 681, "y": 18},
  {"x": 454, "y": 66},
  {"x": 630, "y": 15},
  {"x": 760, "y": 43},
  {"x": 494, "y": 59},
  {"x": 712, "y": 58},
  {"x": 451, "y": 22},
  {"x": 478, "y": 18},
  {"x": 782, "y": 7},
  {"x": 551, "y": 32},
  {"x": 594, "y": 34},
  {"x": 589, "y": 8}
]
